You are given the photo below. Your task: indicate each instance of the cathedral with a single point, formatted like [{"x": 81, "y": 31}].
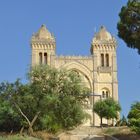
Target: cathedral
[{"x": 98, "y": 71}]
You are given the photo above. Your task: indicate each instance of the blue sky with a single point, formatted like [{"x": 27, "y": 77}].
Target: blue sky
[{"x": 73, "y": 23}]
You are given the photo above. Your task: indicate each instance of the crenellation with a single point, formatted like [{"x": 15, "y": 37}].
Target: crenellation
[
  {"x": 78, "y": 57},
  {"x": 42, "y": 46},
  {"x": 108, "y": 47}
]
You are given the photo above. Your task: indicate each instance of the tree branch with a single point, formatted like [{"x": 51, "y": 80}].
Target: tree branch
[
  {"x": 23, "y": 114},
  {"x": 34, "y": 119}
]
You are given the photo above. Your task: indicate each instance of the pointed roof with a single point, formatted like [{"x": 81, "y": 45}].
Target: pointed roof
[
  {"x": 103, "y": 36},
  {"x": 43, "y": 34}
]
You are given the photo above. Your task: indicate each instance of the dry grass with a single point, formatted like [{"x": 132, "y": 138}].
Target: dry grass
[
  {"x": 122, "y": 133},
  {"x": 43, "y": 135},
  {"x": 17, "y": 137},
  {"x": 116, "y": 130},
  {"x": 38, "y": 135}
]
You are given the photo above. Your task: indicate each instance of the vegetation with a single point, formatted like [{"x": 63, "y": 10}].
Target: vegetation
[
  {"x": 122, "y": 122},
  {"x": 121, "y": 133},
  {"x": 107, "y": 108},
  {"x": 129, "y": 24},
  {"x": 129, "y": 31},
  {"x": 17, "y": 137},
  {"x": 51, "y": 101},
  {"x": 134, "y": 117}
]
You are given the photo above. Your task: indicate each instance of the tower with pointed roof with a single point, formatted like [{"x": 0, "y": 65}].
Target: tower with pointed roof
[
  {"x": 98, "y": 71},
  {"x": 103, "y": 49},
  {"x": 43, "y": 46}
]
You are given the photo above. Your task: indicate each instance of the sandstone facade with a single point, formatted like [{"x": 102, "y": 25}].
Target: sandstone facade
[{"x": 98, "y": 71}]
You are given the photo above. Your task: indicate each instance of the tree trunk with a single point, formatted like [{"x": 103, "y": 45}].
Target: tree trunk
[
  {"x": 101, "y": 121},
  {"x": 34, "y": 119},
  {"x": 30, "y": 131},
  {"x": 21, "y": 130}
]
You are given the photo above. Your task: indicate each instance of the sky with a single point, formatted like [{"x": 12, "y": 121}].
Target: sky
[{"x": 73, "y": 22}]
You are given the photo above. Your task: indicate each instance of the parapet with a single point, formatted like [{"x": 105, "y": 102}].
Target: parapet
[{"x": 75, "y": 57}]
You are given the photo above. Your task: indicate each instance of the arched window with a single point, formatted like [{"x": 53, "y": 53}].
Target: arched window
[
  {"x": 107, "y": 60},
  {"x": 40, "y": 58},
  {"x": 102, "y": 59},
  {"x": 105, "y": 93},
  {"x": 45, "y": 58}
]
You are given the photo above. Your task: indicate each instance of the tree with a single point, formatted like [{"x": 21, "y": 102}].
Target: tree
[
  {"x": 107, "y": 108},
  {"x": 122, "y": 121},
  {"x": 37, "y": 104},
  {"x": 19, "y": 105},
  {"x": 64, "y": 93},
  {"x": 134, "y": 117},
  {"x": 10, "y": 120},
  {"x": 52, "y": 93},
  {"x": 129, "y": 24}
]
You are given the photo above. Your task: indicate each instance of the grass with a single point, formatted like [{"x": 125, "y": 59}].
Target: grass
[
  {"x": 38, "y": 135},
  {"x": 116, "y": 130},
  {"x": 17, "y": 137},
  {"x": 122, "y": 133}
]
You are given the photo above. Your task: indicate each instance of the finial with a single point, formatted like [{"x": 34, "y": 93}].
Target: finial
[
  {"x": 43, "y": 25},
  {"x": 102, "y": 27}
]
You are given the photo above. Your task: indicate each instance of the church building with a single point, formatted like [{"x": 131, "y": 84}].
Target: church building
[{"x": 98, "y": 71}]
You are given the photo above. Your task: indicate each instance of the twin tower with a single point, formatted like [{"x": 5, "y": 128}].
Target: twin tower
[{"x": 98, "y": 71}]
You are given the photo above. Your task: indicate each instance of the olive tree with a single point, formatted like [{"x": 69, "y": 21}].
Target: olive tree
[{"x": 51, "y": 100}]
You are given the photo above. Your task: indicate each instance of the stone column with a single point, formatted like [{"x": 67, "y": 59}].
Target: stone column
[
  {"x": 114, "y": 77},
  {"x": 96, "y": 63}
]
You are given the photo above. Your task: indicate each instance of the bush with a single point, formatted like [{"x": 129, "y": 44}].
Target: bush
[
  {"x": 134, "y": 117},
  {"x": 122, "y": 122}
]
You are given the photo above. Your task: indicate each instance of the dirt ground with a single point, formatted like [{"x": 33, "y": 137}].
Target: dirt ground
[{"x": 122, "y": 133}]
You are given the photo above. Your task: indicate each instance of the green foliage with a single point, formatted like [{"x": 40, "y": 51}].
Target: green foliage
[
  {"x": 99, "y": 108},
  {"x": 52, "y": 101},
  {"x": 129, "y": 24},
  {"x": 50, "y": 123},
  {"x": 134, "y": 117},
  {"x": 112, "y": 108},
  {"x": 122, "y": 122},
  {"x": 17, "y": 137},
  {"x": 70, "y": 112},
  {"x": 63, "y": 95},
  {"x": 107, "y": 108},
  {"x": 9, "y": 118}
]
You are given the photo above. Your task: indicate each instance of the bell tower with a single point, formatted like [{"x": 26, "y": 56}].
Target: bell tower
[
  {"x": 103, "y": 50},
  {"x": 43, "y": 47}
]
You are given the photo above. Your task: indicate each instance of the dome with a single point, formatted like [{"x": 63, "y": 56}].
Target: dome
[
  {"x": 103, "y": 35},
  {"x": 43, "y": 33}
]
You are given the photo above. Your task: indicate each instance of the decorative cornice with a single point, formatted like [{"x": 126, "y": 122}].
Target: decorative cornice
[
  {"x": 43, "y": 45},
  {"x": 74, "y": 57},
  {"x": 109, "y": 46}
]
